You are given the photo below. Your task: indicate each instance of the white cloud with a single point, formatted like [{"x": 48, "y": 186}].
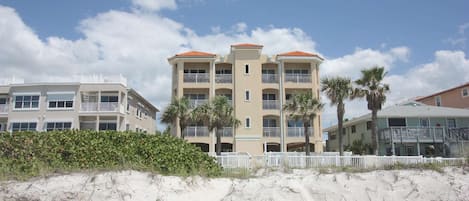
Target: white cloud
[{"x": 155, "y": 5}]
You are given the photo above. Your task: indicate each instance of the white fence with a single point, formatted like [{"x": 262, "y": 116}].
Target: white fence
[{"x": 245, "y": 161}]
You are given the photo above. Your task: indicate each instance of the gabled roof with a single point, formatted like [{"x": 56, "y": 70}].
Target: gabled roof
[
  {"x": 299, "y": 54},
  {"x": 246, "y": 45},
  {"x": 195, "y": 54},
  {"x": 409, "y": 109},
  {"x": 444, "y": 91}
]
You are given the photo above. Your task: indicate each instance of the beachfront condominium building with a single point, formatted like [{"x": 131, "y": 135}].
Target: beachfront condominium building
[
  {"x": 93, "y": 103},
  {"x": 257, "y": 86},
  {"x": 457, "y": 97}
]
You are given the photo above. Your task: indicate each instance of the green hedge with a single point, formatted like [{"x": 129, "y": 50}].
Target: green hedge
[{"x": 28, "y": 154}]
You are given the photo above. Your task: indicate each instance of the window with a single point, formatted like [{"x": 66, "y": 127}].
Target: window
[
  {"x": 107, "y": 126},
  {"x": 424, "y": 122},
  {"x": 50, "y": 126},
  {"x": 60, "y": 101},
  {"x": 269, "y": 97},
  {"x": 246, "y": 69},
  {"x": 437, "y": 100},
  {"x": 465, "y": 92},
  {"x": 354, "y": 129},
  {"x": 268, "y": 71},
  {"x": 24, "y": 126},
  {"x": 248, "y": 122},
  {"x": 127, "y": 127},
  {"x": 247, "y": 95},
  {"x": 27, "y": 102},
  {"x": 368, "y": 125},
  {"x": 451, "y": 123},
  {"x": 109, "y": 99},
  {"x": 3, "y": 101},
  {"x": 295, "y": 123},
  {"x": 297, "y": 71},
  {"x": 397, "y": 122},
  {"x": 223, "y": 71},
  {"x": 269, "y": 123},
  {"x": 194, "y": 71}
]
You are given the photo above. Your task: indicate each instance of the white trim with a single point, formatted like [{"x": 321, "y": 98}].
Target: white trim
[
  {"x": 60, "y": 92},
  {"x": 53, "y": 120},
  {"x": 26, "y": 94}
]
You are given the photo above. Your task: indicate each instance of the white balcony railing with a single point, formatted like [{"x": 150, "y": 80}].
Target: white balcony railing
[
  {"x": 196, "y": 77},
  {"x": 89, "y": 106},
  {"x": 298, "y": 78},
  {"x": 196, "y": 131},
  {"x": 109, "y": 106},
  {"x": 271, "y": 131},
  {"x": 410, "y": 134},
  {"x": 269, "y": 78},
  {"x": 226, "y": 132},
  {"x": 270, "y": 104},
  {"x": 4, "y": 108},
  {"x": 223, "y": 78},
  {"x": 298, "y": 131},
  {"x": 197, "y": 102}
]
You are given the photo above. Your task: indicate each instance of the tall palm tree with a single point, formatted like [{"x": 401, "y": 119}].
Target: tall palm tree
[
  {"x": 338, "y": 89},
  {"x": 178, "y": 109},
  {"x": 370, "y": 86},
  {"x": 216, "y": 114},
  {"x": 304, "y": 107}
]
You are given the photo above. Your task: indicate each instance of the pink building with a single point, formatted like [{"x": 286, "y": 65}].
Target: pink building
[{"x": 457, "y": 97}]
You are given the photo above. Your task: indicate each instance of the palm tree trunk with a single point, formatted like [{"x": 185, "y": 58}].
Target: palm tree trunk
[
  {"x": 340, "y": 119},
  {"x": 182, "y": 132},
  {"x": 374, "y": 131},
  {"x": 218, "y": 145},
  {"x": 306, "y": 139}
]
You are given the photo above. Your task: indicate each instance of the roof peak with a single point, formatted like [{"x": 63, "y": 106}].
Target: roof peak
[
  {"x": 247, "y": 45},
  {"x": 194, "y": 53}
]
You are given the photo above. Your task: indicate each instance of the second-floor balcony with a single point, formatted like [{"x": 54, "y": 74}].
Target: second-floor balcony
[
  {"x": 271, "y": 131},
  {"x": 269, "y": 78},
  {"x": 298, "y": 131},
  {"x": 225, "y": 132},
  {"x": 223, "y": 78},
  {"x": 4, "y": 108},
  {"x": 270, "y": 104},
  {"x": 412, "y": 134},
  {"x": 197, "y": 102},
  {"x": 196, "y": 77},
  {"x": 196, "y": 131},
  {"x": 298, "y": 78}
]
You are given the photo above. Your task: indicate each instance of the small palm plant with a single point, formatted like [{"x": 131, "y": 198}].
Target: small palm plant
[
  {"x": 178, "y": 109},
  {"x": 304, "y": 107}
]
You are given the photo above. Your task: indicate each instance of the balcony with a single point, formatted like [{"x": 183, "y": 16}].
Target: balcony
[
  {"x": 89, "y": 106},
  {"x": 196, "y": 77},
  {"x": 197, "y": 102},
  {"x": 412, "y": 134},
  {"x": 109, "y": 106},
  {"x": 298, "y": 131},
  {"x": 223, "y": 78},
  {"x": 271, "y": 131},
  {"x": 196, "y": 131},
  {"x": 269, "y": 78},
  {"x": 4, "y": 108},
  {"x": 270, "y": 104},
  {"x": 298, "y": 78},
  {"x": 225, "y": 132}
]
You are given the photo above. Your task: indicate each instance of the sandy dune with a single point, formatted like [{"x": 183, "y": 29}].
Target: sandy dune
[{"x": 308, "y": 185}]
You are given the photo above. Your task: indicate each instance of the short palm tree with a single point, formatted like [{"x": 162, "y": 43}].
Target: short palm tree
[
  {"x": 178, "y": 109},
  {"x": 370, "y": 86},
  {"x": 338, "y": 89},
  {"x": 304, "y": 107},
  {"x": 216, "y": 114}
]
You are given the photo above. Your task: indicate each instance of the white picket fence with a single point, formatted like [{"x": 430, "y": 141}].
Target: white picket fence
[{"x": 246, "y": 161}]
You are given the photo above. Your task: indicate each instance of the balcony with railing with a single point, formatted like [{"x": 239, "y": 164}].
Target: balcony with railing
[
  {"x": 223, "y": 78},
  {"x": 195, "y": 131},
  {"x": 298, "y": 78},
  {"x": 196, "y": 77},
  {"x": 4, "y": 108},
  {"x": 89, "y": 106},
  {"x": 197, "y": 102},
  {"x": 271, "y": 131},
  {"x": 225, "y": 132},
  {"x": 298, "y": 131},
  {"x": 109, "y": 106},
  {"x": 269, "y": 78},
  {"x": 270, "y": 104},
  {"x": 412, "y": 134}
]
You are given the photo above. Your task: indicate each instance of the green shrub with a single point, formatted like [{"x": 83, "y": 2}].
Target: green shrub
[{"x": 28, "y": 154}]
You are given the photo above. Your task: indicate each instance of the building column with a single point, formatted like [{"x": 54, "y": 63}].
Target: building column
[
  {"x": 282, "y": 96},
  {"x": 210, "y": 97}
]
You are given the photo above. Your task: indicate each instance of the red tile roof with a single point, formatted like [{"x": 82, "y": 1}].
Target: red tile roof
[
  {"x": 299, "y": 54},
  {"x": 246, "y": 45},
  {"x": 195, "y": 54}
]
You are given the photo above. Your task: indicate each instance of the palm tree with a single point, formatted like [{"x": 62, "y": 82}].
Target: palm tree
[
  {"x": 216, "y": 114},
  {"x": 304, "y": 107},
  {"x": 178, "y": 109},
  {"x": 337, "y": 89},
  {"x": 371, "y": 87}
]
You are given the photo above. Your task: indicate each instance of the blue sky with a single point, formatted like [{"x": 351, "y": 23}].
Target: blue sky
[{"x": 423, "y": 44}]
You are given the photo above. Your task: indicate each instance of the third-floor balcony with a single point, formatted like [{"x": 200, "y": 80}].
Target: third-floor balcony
[
  {"x": 271, "y": 131},
  {"x": 269, "y": 78},
  {"x": 223, "y": 78},
  {"x": 298, "y": 131},
  {"x": 196, "y": 77},
  {"x": 270, "y": 104},
  {"x": 298, "y": 78}
]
